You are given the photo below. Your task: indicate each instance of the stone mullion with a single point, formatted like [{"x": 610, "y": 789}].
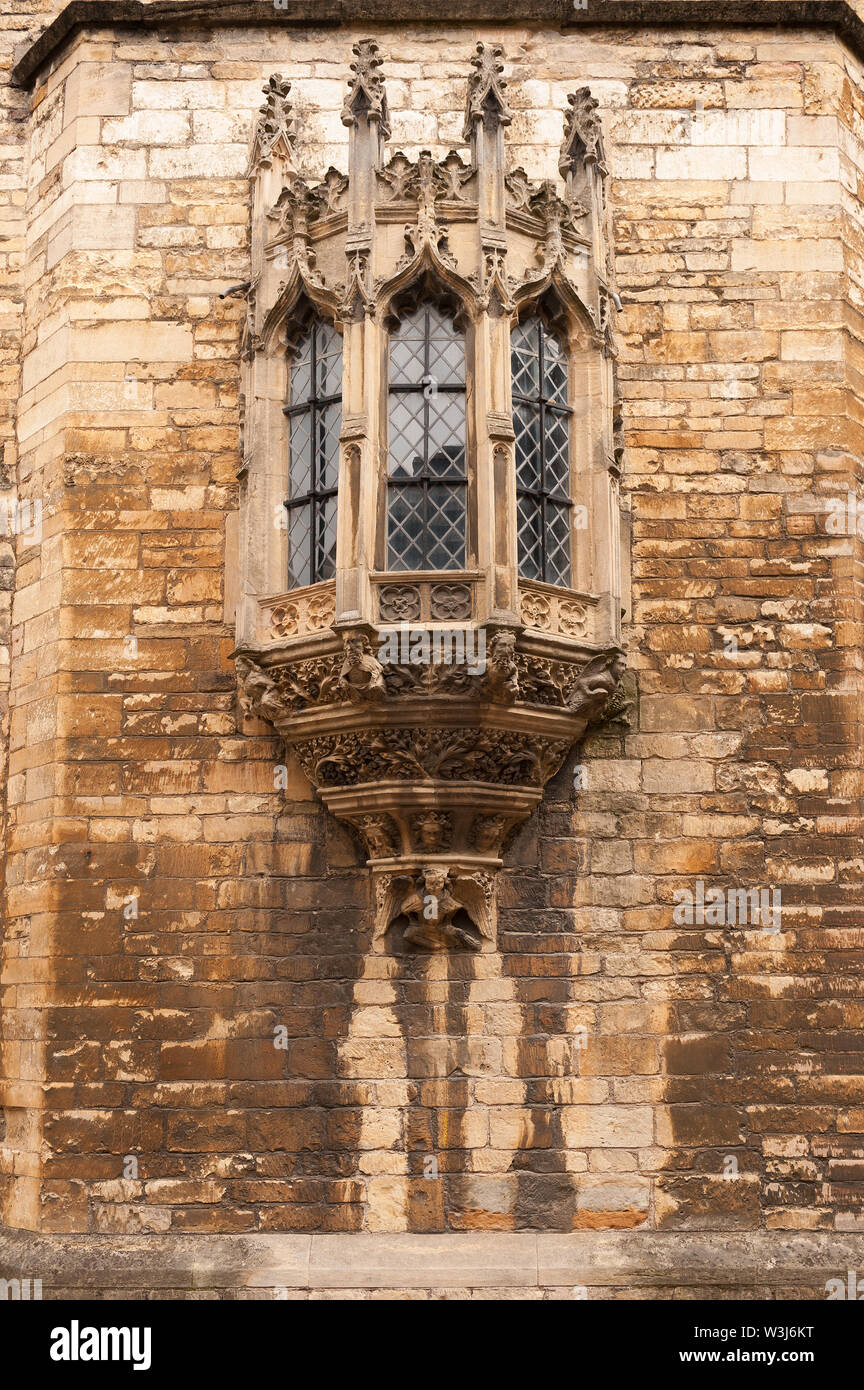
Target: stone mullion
[
  {"x": 266, "y": 459},
  {"x": 604, "y": 505},
  {"x": 596, "y": 563}
]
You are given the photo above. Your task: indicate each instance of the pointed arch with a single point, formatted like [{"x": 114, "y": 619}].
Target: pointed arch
[
  {"x": 553, "y": 296},
  {"x": 427, "y": 274},
  {"x": 301, "y": 299}
]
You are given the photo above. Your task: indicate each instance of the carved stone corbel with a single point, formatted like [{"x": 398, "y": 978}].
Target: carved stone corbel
[
  {"x": 259, "y": 693},
  {"x": 595, "y": 685},
  {"x": 362, "y": 675},
  {"x": 447, "y": 910},
  {"x": 503, "y": 673},
  {"x": 433, "y": 781}
]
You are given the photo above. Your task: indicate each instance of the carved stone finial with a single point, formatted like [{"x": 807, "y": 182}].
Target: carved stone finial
[
  {"x": 366, "y": 94},
  {"x": 553, "y": 210},
  {"x": 583, "y": 134},
  {"x": 293, "y": 210},
  {"x": 427, "y": 235},
  {"x": 486, "y": 88},
  {"x": 275, "y": 128}
]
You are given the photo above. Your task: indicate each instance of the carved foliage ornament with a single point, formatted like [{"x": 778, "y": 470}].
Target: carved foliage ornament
[
  {"x": 402, "y": 181},
  {"x": 428, "y": 235},
  {"x": 468, "y": 783},
  {"x": 416, "y": 753},
  {"x": 356, "y": 677}
]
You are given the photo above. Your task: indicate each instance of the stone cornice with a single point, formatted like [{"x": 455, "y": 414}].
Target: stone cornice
[{"x": 836, "y": 15}]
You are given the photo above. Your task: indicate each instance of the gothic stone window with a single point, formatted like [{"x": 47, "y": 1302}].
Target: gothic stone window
[
  {"x": 427, "y": 483},
  {"x": 541, "y": 420},
  {"x": 314, "y": 412}
]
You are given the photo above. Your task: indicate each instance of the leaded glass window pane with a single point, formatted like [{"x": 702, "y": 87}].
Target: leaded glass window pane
[
  {"x": 314, "y": 412},
  {"x": 541, "y": 420},
  {"x": 445, "y": 526},
  {"x": 427, "y": 481},
  {"x": 406, "y": 526},
  {"x": 529, "y": 522}
]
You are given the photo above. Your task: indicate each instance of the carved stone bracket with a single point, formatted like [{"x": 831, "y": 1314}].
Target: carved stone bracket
[{"x": 433, "y": 765}]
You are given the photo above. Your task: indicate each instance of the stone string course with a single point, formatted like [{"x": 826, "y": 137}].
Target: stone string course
[
  {"x": 586, "y": 1266},
  {"x": 166, "y": 909}
]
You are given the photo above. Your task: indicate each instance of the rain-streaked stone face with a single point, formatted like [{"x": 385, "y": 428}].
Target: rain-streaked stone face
[{"x": 204, "y": 1028}]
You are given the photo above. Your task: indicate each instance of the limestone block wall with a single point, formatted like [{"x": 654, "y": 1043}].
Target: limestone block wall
[{"x": 169, "y": 905}]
